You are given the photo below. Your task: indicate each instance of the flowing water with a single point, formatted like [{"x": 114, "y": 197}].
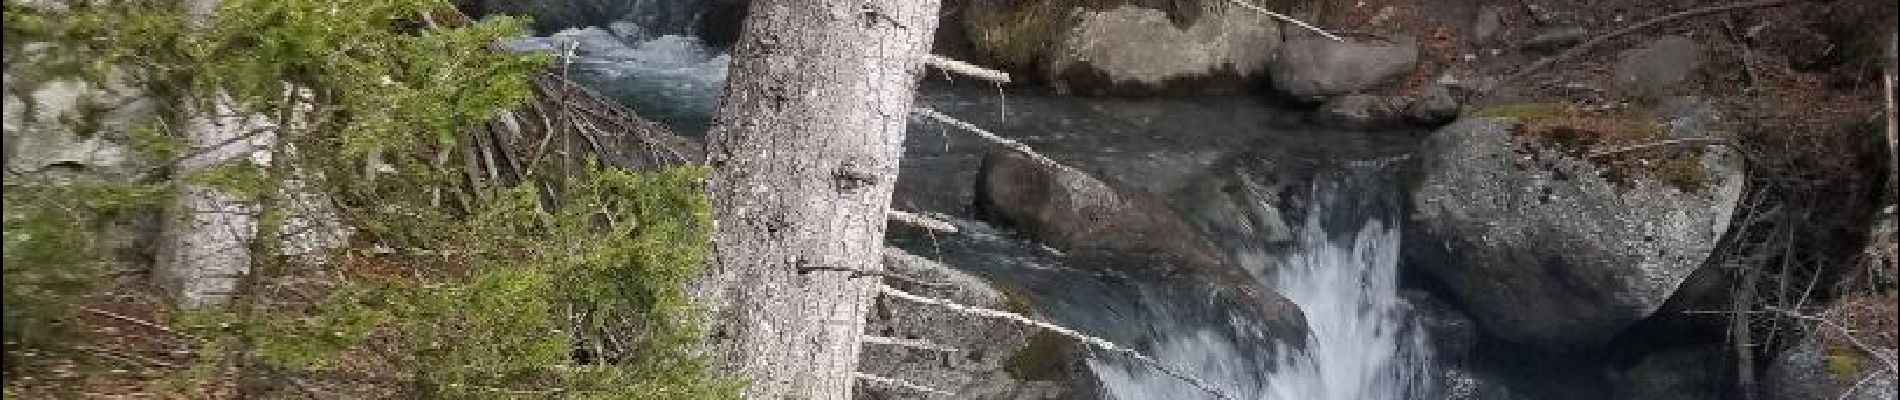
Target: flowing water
[{"x": 1340, "y": 269}]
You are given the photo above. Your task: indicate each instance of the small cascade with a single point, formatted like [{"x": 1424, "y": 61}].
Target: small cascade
[
  {"x": 1363, "y": 344},
  {"x": 1342, "y": 271}
]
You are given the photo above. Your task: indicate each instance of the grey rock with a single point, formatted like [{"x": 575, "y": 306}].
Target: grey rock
[
  {"x": 1363, "y": 111},
  {"x": 1219, "y": 202},
  {"x": 1553, "y": 39},
  {"x": 1543, "y": 250},
  {"x": 1095, "y": 219},
  {"x": 1435, "y": 105},
  {"x": 81, "y": 126},
  {"x": 1316, "y": 69},
  {"x": 1802, "y": 372},
  {"x": 1076, "y": 212},
  {"x": 1452, "y": 334},
  {"x": 1689, "y": 117},
  {"x": 973, "y": 357},
  {"x": 1133, "y": 50},
  {"x": 1458, "y": 383},
  {"x": 1687, "y": 373},
  {"x": 1659, "y": 66},
  {"x": 1490, "y": 20},
  {"x": 1802, "y": 45}
]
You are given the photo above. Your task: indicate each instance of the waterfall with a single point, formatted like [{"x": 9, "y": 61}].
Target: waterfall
[
  {"x": 1342, "y": 271},
  {"x": 1363, "y": 345}
]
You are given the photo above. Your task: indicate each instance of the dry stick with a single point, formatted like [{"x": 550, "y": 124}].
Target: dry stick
[
  {"x": 1847, "y": 333},
  {"x": 1090, "y": 341},
  {"x": 1599, "y": 40},
  {"x": 1287, "y": 19},
  {"x": 922, "y": 221},
  {"x": 947, "y": 64},
  {"x": 136, "y": 321},
  {"x": 1005, "y": 142},
  {"x": 903, "y": 384},
  {"x": 1663, "y": 143}
]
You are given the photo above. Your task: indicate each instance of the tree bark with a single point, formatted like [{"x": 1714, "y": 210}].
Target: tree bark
[
  {"x": 205, "y": 241},
  {"x": 804, "y": 153}
]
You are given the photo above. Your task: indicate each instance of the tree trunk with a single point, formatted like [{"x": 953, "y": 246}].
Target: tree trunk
[
  {"x": 205, "y": 243},
  {"x": 804, "y": 153}
]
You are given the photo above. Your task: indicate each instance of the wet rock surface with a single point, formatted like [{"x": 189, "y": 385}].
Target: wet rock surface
[
  {"x": 970, "y": 356},
  {"x": 1543, "y": 250}
]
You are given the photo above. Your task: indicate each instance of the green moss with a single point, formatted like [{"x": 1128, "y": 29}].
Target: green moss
[
  {"x": 487, "y": 316},
  {"x": 1843, "y": 362},
  {"x": 1524, "y": 112},
  {"x": 1683, "y": 172}
]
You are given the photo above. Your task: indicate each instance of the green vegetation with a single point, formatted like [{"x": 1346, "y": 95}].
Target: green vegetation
[
  {"x": 479, "y": 291},
  {"x": 1579, "y": 133},
  {"x": 1524, "y": 112}
]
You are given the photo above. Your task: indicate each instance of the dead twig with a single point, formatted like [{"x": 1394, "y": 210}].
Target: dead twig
[
  {"x": 1656, "y": 144},
  {"x": 1600, "y": 40},
  {"x": 1090, "y": 341},
  {"x": 136, "y": 321},
  {"x": 1287, "y": 19}
]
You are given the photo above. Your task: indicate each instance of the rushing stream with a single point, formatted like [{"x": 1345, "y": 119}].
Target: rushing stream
[{"x": 1340, "y": 269}]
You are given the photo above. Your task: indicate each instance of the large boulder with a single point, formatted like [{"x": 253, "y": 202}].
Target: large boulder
[
  {"x": 972, "y": 357},
  {"x": 1131, "y": 50},
  {"x": 1103, "y": 222},
  {"x": 1128, "y": 47},
  {"x": 1546, "y": 247},
  {"x": 1315, "y": 69},
  {"x": 1703, "y": 371},
  {"x": 1076, "y": 212},
  {"x": 1658, "y": 67}
]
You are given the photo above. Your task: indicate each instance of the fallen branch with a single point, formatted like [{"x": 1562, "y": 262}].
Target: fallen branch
[
  {"x": 136, "y": 321},
  {"x": 1005, "y": 142},
  {"x": 1287, "y": 19},
  {"x": 1662, "y": 143},
  {"x": 921, "y": 221},
  {"x": 903, "y": 384},
  {"x": 1871, "y": 351},
  {"x": 1599, "y": 40},
  {"x": 1090, "y": 341},
  {"x": 947, "y": 64}
]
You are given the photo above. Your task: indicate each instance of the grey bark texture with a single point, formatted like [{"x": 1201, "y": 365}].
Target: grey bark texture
[
  {"x": 804, "y": 153},
  {"x": 204, "y": 246}
]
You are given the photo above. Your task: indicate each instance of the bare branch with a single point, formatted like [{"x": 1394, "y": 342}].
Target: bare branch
[
  {"x": 947, "y": 64},
  {"x": 1663, "y": 143},
  {"x": 136, "y": 321},
  {"x": 1599, "y": 40},
  {"x": 1005, "y": 142},
  {"x": 922, "y": 221},
  {"x": 1871, "y": 351},
  {"x": 902, "y": 384},
  {"x": 1090, "y": 341},
  {"x": 1287, "y": 19}
]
